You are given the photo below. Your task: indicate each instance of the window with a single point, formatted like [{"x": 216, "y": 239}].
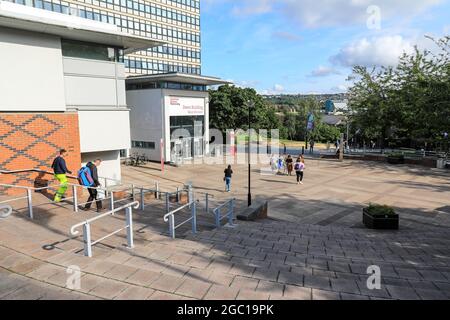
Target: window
[
  {"x": 84, "y": 50},
  {"x": 143, "y": 145}
]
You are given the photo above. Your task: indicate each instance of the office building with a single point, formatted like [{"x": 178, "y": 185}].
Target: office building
[
  {"x": 62, "y": 85},
  {"x": 175, "y": 23}
]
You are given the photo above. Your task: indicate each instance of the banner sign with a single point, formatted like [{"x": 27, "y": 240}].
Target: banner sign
[
  {"x": 310, "y": 126},
  {"x": 180, "y": 106}
]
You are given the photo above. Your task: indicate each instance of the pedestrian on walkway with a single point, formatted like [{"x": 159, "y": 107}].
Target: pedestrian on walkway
[
  {"x": 311, "y": 145},
  {"x": 290, "y": 165},
  {"x": 60, "y": 170},
  {"x": 93, "y": 193},
  {"x": 299, "y": 170},
  {"x": 228, "y": 176},
  {"x": 280, "y": 163}
]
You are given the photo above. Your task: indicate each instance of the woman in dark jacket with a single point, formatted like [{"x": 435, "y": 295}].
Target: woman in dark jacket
[{"x": 228, "y": 175}]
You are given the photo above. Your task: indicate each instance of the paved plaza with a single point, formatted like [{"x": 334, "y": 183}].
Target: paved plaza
[{"x": 313, "y": 246}]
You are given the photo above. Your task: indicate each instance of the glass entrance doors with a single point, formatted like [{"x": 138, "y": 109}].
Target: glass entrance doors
[{"x": 187, "y": 149}]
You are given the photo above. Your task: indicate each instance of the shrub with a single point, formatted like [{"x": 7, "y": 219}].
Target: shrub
[{"x": 380, "y": 210}]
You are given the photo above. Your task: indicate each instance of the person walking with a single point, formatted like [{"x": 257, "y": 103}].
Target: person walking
[
  {"x": 228, "y": 176},
  {"x": 290, "y": 165},
  {"x": 299, "y": 170},
  {"x": 93, "y": 193},
  {"x": 312, "y": 144},
  {"x": 60, "y": 170}
]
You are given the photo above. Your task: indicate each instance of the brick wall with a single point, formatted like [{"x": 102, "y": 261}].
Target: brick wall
[{"x": 32, "y": 141}]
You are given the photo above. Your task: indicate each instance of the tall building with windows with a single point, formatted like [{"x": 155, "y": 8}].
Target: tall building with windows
[{"x": 173, "y": 22}]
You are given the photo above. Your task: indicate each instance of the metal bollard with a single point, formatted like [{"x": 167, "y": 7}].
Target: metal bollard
[
  {"x": 231, "y": 213},
  {"x": 172, "y": 226},
  {"x": 178, "y": 195},
  {"x": 132, "y": 193},
  {"x": 167, "y": 202},
  {"x": 142, "y": 199},
  {"x": 217, "y": 217},
  {"x": 207, "y": 202},
  {"x": 112, "y": 201},
  {"x": 30, "y": 204},
  {"x": 129, "y": 221},
  {"x": 194, "y": 218},
  {"x": 87, "y": 240},
  {"x": 75, "y": 198},
  {"x": 157, "y": 195}
]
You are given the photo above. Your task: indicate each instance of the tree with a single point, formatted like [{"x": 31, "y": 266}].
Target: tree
[
  {"x": 229, "y": 110},
  {"x": 407, "y": 105}
]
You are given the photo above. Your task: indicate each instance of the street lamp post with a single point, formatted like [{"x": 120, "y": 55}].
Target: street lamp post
[{"x": 250, "y": 105}]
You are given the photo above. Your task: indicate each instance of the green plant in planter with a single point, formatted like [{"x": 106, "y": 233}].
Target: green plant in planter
[
  {"x": 377, "y": 216},
  {"x": 395, "y": 158},
  {"x": 377, "y": 210}
]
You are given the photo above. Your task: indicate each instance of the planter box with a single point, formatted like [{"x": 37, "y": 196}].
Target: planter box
[
  {"x": 395, "y": 160},
  {"x": 387, "y": 222}
]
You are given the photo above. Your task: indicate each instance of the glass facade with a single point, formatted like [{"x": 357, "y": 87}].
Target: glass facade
[
  {"x": 194, "y": 125},
  {"x": 166, "y": 85},
  {"x": 85, "y": 50},
  {"x": 176, "y": 22}
]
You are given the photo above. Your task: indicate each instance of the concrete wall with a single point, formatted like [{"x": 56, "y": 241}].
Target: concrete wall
[
  {"x": 104, "y": 130},
  {"x": 146, "y": 120},
  {"x": 150, "y": 118},
  {"x": 92, "y": 83},
  {"x": 110, "y": 167},
  {"x": 31, "y": 72}
]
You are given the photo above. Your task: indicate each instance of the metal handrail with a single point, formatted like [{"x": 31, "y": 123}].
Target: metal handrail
[
  {"x": 88, "y": 243},
  {"x": 170, "y": 217},
  {"x": 5, "y": 213},
  {"x": 229, "y": 214},
  {"x": 52, "y": 173}
]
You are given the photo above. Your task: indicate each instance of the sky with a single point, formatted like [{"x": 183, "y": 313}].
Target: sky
[{"x": 309, "y": 46}]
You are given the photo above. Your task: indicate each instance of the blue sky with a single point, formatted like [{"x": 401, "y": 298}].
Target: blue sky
[{"x": 306, "y": 46}]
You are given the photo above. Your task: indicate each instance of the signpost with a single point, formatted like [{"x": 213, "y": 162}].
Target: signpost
[{"x": 162, "y": 155}]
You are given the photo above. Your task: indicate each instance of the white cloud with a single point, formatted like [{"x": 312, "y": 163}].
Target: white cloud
[
  {"x": 326, "y": 13},
  {"x": 385, "y": 50},
  {"x": 322, "y": 71},
  {"x": 252, "y": 7},
  {"x": 286, "y": 36},
  {"x": 278, "y": 88}
]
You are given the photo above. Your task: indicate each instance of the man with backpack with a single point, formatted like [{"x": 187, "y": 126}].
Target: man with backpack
[
  {"x": 88, "y": 177},
  {"x": 60, "y": 169}
]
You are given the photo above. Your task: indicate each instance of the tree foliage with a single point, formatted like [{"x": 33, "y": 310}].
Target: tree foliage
[
  {"x": 407, "y": 105},
  {"x": 229, "y": 110}
]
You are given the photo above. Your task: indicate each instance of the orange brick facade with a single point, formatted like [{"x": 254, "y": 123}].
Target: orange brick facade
[{"x": 31, "y": 141}]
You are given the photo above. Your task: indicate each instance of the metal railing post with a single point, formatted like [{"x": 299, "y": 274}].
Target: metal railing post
[
  {"x": 129, "y": 221},
  {"x": 194, "y": 218},
  {"x": 30, "y": 203},
  {"x": 75, "y": 198},
  {"x": 106, "y": 182},
  {"x": 132, "y": 193},
  {"x": 157, "y": 195},
  {"x": 172, "y": 226},
  {"x": 217, "y": 217},
  {"x": 87, "y": 240},
  {"x": 231, "y": 213},
  {"x": 167, "y": 203},
  {"x": 142, "y": 199},
  {"x": 112, "y": 201},
  {"x": 190, "y": 195},
  {"x": 178, "y": 195}
]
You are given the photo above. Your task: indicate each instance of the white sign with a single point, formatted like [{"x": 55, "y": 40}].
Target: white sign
[{"x": 178, "y": 106}]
